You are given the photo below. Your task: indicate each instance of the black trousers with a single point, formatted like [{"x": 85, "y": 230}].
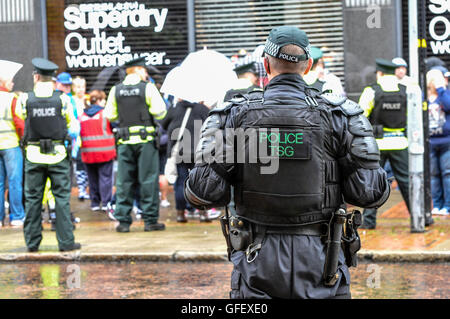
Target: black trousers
[
  {"x": 288, "y": 267},
  {"x": 35, "y": 179},
  {"x": 400, "y": 167}
]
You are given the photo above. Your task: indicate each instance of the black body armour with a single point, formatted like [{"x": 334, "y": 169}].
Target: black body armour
[
  {"x": 44, "y": 118},
  {"x": 390, "y": 108},
  {"x": 131, "y": 105},
  {"x": 305, "y": 189}
]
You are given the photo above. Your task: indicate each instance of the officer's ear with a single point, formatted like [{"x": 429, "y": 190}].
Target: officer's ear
[
  {"x": 266, "y": 65},
  {"x": 308, "y": 68}
]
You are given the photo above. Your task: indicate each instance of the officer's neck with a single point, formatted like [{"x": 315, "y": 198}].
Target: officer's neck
[{"x": 273, "y": 75}]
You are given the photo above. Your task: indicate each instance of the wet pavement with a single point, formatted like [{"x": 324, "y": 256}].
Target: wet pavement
[
  {"x": 97, "y": 234},
  {"x": 199, "y": 281},
  {"x": 95, "y": 273}
]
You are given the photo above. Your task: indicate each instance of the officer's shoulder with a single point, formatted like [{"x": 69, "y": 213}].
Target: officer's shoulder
[
  {"x": 226, "y": 106},
  {"x": 342, "y": 104}
]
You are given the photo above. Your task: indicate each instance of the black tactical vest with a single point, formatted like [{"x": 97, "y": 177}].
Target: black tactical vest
[
  {"x": 305, "y": 188},
  {"x": 44, "y": 118},
  {"x": 131, "y": 105},
  {"x": 390, "y": 108}
]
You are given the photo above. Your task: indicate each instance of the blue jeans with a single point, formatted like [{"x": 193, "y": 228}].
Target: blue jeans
[
  {"x": 11, "y": 167},
  {"x": 440, "y": 175},
  {"x": 183, "y": 174}
]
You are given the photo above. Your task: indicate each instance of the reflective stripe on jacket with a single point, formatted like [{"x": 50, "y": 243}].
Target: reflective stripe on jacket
[
  {"x": 8, "y": 134},
  {"x": 97, "y": 139}
]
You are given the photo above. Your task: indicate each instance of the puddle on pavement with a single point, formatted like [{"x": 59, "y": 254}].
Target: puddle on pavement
[{"x": 199, "y": 280}]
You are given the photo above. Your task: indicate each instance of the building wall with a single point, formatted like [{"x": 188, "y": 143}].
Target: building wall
[
  {"x": 21, "y": 37},
  {"x": 369, "y": 33},
  {"x": 55, "y": 33}
]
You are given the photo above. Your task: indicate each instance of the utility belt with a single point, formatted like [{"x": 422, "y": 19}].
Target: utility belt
[
  {"x": 380, "y": 132},
  {"x": 341, "y": 231},
  {"x": 123, "y": 133},
  {"x": 46, "y": 146}
]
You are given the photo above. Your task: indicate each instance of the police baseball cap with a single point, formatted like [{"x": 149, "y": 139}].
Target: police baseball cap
[
  {"x": 316, "y": 54},
  {"x": 443, "y": 69},
  {"x": 135, "y": 62},
  {"x": 43, "y": 66},
  {"x": 386, "y": 66},
  {"x": 64, "y": 78},
  {"x": 399, "y": 62},
  {"x": 281, "y": 36}
]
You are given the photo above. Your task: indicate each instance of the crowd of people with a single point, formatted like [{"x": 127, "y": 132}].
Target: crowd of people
[{"x": 105, "y": 134}]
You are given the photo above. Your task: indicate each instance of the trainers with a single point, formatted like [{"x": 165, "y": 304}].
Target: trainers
[
  {"x": 443, "y": 212},
  {"x": 16, "y": 222},
  {"x": 74, "y": 246},
  {"x": 164, "y": 203},
  {"x": 213, "y": 213},
  {"x": 435, "y": 211},
  {"x": 204, "y": 218},
  {"x": 96, "y": 208},
  {"x": 181, "y": 216},
  {"x": 194, "y": 214},
  {"x": 123, "y": 228},
  {"x": 155, "y": 226},
  {"x": 110, "y": 212}
]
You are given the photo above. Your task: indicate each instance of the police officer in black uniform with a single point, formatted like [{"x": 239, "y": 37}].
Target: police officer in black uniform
[
  {"x": 48, "y": 117},
  {"x": 136, "y": 104},
  {"x": 247, "y": 81},
  {"x": 385, "y": 105},
  {"x": 285, "y": 240}
]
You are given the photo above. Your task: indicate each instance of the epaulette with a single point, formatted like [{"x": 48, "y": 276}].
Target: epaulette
[
  {"x": 333, "y": 99},
  {"x": 351, "y": 108},
  {"x": 225, "y": 107},
  {"x": 346, "y": 106}
]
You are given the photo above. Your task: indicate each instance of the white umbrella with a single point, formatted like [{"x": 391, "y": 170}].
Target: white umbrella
[
  {"x": 205, "y": 75},
  {"x": 8, "y": 69},
  {"x": 174, "y": 84}
]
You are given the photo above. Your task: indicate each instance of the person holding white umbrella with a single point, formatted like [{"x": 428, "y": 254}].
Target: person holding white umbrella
[{"x": 11, "y": 159}]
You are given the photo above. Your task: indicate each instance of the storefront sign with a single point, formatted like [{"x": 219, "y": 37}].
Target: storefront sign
[
  {"x": 439, "y": 27},
  {"x": 95, "y": 36}
]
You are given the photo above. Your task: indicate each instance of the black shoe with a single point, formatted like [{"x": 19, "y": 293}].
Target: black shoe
[
  {"x": 75, "y": 246},
  {"x": 123, "y": 228},
  {"x": 32, "y": 249},
  {"x": 429, "y": 221},
  {"x": 155, "y": 226},
  {"x": 366, "y": 227}
]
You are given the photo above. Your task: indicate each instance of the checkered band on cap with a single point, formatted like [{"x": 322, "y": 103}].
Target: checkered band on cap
[
  {"x": 308, "y": 50},
  {"x": 271, "y": 48}
]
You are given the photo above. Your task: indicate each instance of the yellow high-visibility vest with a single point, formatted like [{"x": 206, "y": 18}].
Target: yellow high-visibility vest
[{"x": 8, "y": 134}]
